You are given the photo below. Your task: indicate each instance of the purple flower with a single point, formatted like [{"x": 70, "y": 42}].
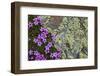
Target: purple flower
[
  {"x": 39, "y": 43},
  {"x": 44, "y": 30},
  {"x": 40, "y": 36},
  {"x": 49, "y": 44},
  {"x": 43, "y": 35},
  {"x": 47, "y": 48},
  {"x": 30, "y": 52},
  {"x": 56, "y": 55},
  {"x": 30, "y": 24},
  {"x": 35, "y": 40},
  {"x": 39, "y": 56},
  {"x": 47, "y": 51},
  {"x": 44, "y": 40},
  {"x": 36, "y": 52},
  {"x": 37, "y": 20}
]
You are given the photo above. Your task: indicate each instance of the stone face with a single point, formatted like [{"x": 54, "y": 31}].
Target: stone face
[{"x": 55, "y": 21}]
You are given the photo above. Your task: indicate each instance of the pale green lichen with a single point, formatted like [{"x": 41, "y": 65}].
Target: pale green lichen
[{"x": 72, "y": 35}]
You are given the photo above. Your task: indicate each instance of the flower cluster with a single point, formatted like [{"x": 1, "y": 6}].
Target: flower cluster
[
  {"x": 30, "y": 54},
  {"x": 56, "y": 55},
  {"x": 37, "y": 20},
  {"x": 41, "y": 43},
  {"x": 30, "y": 24},
  {"x": 47, "y": 48},
  {"x": 39, "y": 56},
  {"x": 41, "y": 37}
]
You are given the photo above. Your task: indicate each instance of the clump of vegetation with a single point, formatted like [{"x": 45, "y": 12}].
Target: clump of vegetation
[
  {"x": 57, "y": 37},
  {"x": 41, "y": 41}
]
